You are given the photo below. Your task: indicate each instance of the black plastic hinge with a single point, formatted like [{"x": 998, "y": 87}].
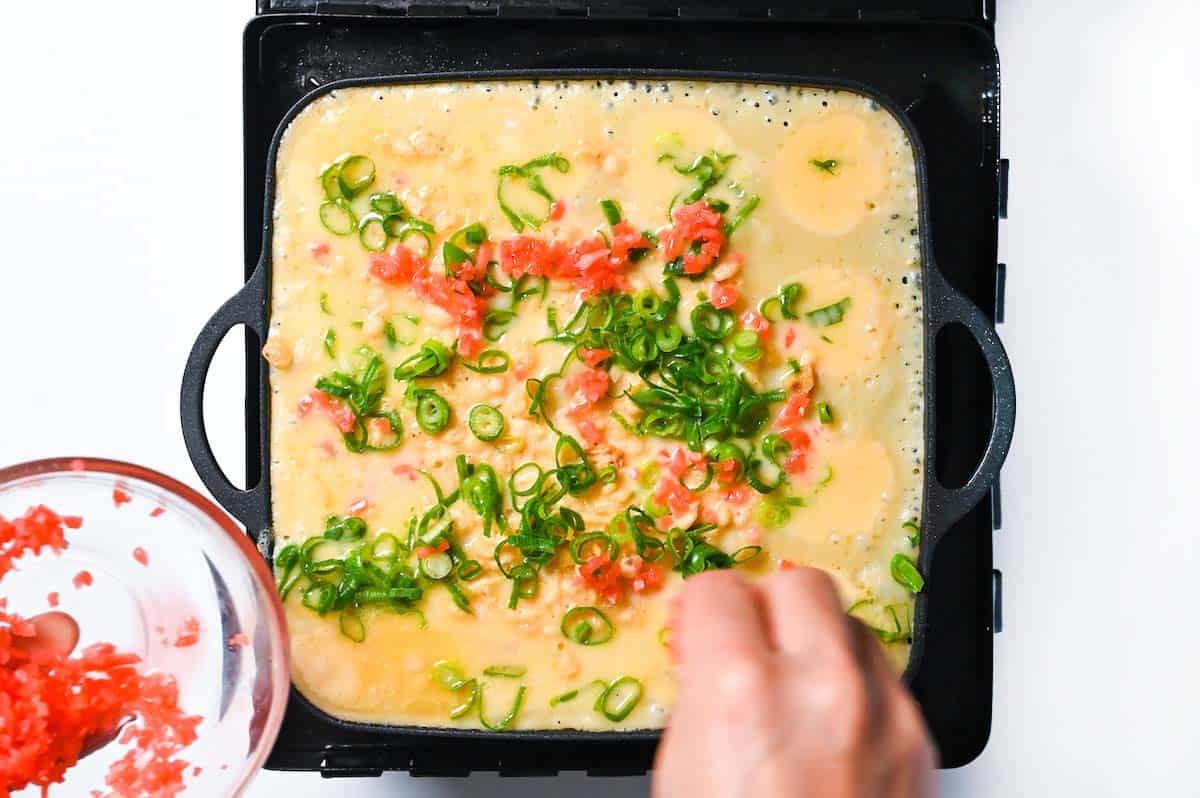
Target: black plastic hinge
[
  {"x": 1001, "y": 281},
  {"x": 997, "y": 601},
  {"x": 335, "y": 7},
  {"x": 1002, "y": 190},
  {"x": 997, "y": 516},
  {"x": 347, "y": 764}
]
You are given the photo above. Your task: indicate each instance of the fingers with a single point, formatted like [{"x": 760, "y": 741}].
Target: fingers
[
  {"x": 54, "y": 633},
  {"x": 718, "y": 616},
  {"x": 804, "y": 613}
]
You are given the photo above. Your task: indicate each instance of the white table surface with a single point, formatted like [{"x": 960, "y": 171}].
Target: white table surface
[{"x": 120, "y": 160}]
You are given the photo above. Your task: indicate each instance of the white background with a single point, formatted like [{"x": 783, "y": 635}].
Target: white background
[{"x": 120, "y": 161}]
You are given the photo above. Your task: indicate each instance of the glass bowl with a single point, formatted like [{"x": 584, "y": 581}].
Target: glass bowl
[{"x": 167, "y": 566}]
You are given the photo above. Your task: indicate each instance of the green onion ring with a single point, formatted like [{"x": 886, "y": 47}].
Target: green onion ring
[
  {"x": 624, "y": 706},
  {"x": 578, "y": 618},
  {"x": 508, "y": 719},
  {"x": 610, "y": 546},
  {"x": 490, "y": 361}
]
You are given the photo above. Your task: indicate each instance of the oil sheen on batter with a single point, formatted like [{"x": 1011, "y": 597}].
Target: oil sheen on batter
[{"x": 779, "y": 424}]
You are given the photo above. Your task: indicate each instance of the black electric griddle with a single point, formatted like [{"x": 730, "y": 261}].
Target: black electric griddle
[{"x": 934, "y": 63}]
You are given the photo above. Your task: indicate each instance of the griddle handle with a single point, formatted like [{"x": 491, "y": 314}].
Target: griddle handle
[
  {"x": 948, "y": 306},
  {"x": 249, "y": 307}
]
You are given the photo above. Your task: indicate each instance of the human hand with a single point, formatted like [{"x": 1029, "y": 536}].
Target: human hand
[{"x": 782, "y": 694}]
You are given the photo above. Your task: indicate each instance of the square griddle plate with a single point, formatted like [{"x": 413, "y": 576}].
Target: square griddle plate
[{"x": 938, "y": 63}]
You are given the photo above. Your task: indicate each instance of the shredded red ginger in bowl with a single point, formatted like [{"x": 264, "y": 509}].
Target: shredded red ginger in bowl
[{"x": 52, "y": 705}]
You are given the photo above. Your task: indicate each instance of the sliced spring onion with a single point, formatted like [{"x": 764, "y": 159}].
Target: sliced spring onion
[
  {"x": 914, "y": 536},
  {"x": 901, "y": 631},
  {"x": 355, "y": 175},
  {"x": 486, "y": 422},
  {"x": 469, "y": 570},
  {"x": 668, "y": 338},
  {"x": 772, "y": 514},
  {"x": 525, "y": 480},
  {"x": 386, "y": 204},
  {"x": 747, "y": 346},
  {"x": 863, "y": 602},
  {"x": 625, "y": 703},
  {"x": 789, "y": 296},
  {"x": 384, "y": 546},
  {"x": 454, "y": 255},
  {"x": 709, "y": 323},
  {"x": 371, "y": 233},
  {"x": 828, "y": 166},
  {"x": 433, "y": 412},
  {"x": 324, "y": 304},
  {"x": 329, "y": 179},
  {"x": 611, "y": 211},
  {"x": 646, "y": 303},
  {"x": 505, "y": 671},
  {"x": 704, "y": 557},
  {"x": 472, "y": 698},
  {"x": 745, "y": 554},
  {"x": 459, "y": 597},
  {"x": 330, "y": 341},
  {"x": 524, "y": 584},
  {"x": 648, "y": 474},
  {"x": 608, "y": 546},
  {"x": 495, "y": 321},
  {"x": 448, "y": 675},
  {"x": 905, "y": 572},
  {"x": 490, "y": 361},
  {"x": 830, "y": 314},
  {"x": 761, "y": 483},
  {"x": 402, "y": 228},
  {"x": 289, "y": 555},
  {"x": 350, "y": 527},
  {"x": 319, "y": 597},
  {"x": 587, "y": 626},
  {"x": 528, "y": 172},
  {"x": 473, "y": 234},
  {"x": 574, "y": 469},
  {"x": 741, "y": 214},
  {"x": 707, "y": 170},
  {"x": 825, "y": 412},
  {"x": 433, "y": 359},
  {"x": 768, "y": 307},
  {"x": 570, "y": 695},
  {"x": 775, "y": 448},
  {"x": 337, "y": 217},
  {"x": 508, "y": 719},
  {"x": 436, "y": 566},
  {"x": 286, "y": 561},
  {"x": 351, "y": 625}
]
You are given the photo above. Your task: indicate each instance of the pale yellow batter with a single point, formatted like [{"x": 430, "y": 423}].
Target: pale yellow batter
[{"x": 838, "y": 212}]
